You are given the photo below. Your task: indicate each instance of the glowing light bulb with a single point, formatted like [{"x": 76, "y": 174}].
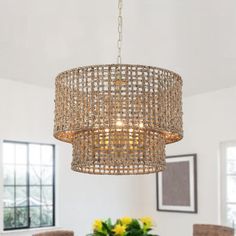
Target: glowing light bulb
[
  {"x": 119, "y": 123},
  {"x": 141, "y": 125}
]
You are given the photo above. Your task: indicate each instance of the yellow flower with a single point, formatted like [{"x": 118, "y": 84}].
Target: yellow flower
[
  {"x": 126, "y": 220},
  {"x": 119, "y": 229},
  {"x": 147, "y": 221},
  {"x": 97, "y": 225}
]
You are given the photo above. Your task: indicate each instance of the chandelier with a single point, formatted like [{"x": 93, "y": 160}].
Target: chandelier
[{"x": 118, "y": 117}]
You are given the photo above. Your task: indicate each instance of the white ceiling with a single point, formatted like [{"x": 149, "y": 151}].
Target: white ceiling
[{"x": 195, "y": 38}]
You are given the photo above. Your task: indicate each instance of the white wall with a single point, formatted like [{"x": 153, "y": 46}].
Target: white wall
[{"x": 26, "y": 113}]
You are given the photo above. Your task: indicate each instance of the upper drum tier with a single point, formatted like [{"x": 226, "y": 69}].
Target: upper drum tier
[{"x": 103, "y": 97}]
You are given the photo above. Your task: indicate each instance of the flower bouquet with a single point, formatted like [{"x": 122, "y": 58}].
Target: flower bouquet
[{"x": 125, "y": 226}]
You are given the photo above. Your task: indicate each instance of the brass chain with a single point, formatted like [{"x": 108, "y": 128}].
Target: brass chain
[{"x": 120, "y": 28}]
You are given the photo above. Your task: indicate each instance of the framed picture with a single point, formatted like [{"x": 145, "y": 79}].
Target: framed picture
[{"x": 177, "y": 185}]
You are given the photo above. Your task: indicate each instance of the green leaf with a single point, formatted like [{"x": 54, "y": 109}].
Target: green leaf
[
  {"x": 99, "y": 233},
  {"x": 117, "y": 222},
  {"x": 105, "y": 226},
  {"x": 135, "y": 232},
  {"x": 109, "y": 223},
  {"x": 134, "y": 225}
]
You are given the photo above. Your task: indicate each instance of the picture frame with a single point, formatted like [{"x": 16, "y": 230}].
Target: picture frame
[{"x": 177, "y": 185}]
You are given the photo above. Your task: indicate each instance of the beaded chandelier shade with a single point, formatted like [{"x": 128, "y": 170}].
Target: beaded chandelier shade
[{"x": 118, "y": 117}]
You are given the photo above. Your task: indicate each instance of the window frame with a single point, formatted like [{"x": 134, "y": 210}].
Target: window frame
[
  {"x": 28, "y": 227},
  {"x": 223, "y": 182}
]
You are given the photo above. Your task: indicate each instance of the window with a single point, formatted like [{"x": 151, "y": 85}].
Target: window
[
  {"x": 29, "y": 185},
  {"x": 228, "y": 183}
]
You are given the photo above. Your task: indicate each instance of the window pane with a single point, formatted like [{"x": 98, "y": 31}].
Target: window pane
[
  {"x": 47, "y": 218},
  {"x": 34, "y": 154},
  {"x": 35, "y": 175},
  {"x": 8, "y": 153},
  {"x": 231, "y": 166},
  {"x": 8, "y": 200},
  {"x": 231, "y": 153},
  {"x": 34, "y": 216},
  {"x": 8, "y": 174},
  {"x": 21, "y": 197},
  {"x": 231, "y": 189},
  {"x": 47, "y": 195},
  {"x": 21, "y": 154},
  {"x": 21, "y": 217},
  {"x": 35, "y": 196},
  {"x": 47, "y": 175},
  {"x": 47, "y": 154},
  {"x": 231, "y": 213},
  {"x": 28, "y": 173},
  {"x": 21, "y": 175},
  {"x": 9, "y": 220}
]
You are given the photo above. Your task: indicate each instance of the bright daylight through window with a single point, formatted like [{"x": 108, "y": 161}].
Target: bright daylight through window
[
  {"x": 29, "y": 185},
  {"x": 228, "y": 183}
]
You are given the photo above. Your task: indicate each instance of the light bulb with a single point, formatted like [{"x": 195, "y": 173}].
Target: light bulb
[
  {"x": 141, "y": 125},
  {"x": 119, "y": 123}
]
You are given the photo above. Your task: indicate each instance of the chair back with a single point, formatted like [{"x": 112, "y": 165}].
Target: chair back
[
  {"x": 212, "y": 230},
  {"x": 55, "y": 233}
]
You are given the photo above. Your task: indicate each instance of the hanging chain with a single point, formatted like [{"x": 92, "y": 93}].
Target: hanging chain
[{"x": 120, "y": 22}]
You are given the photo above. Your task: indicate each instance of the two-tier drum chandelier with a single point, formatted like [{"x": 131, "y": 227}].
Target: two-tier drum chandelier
[{"x": 118, "y": 117}]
